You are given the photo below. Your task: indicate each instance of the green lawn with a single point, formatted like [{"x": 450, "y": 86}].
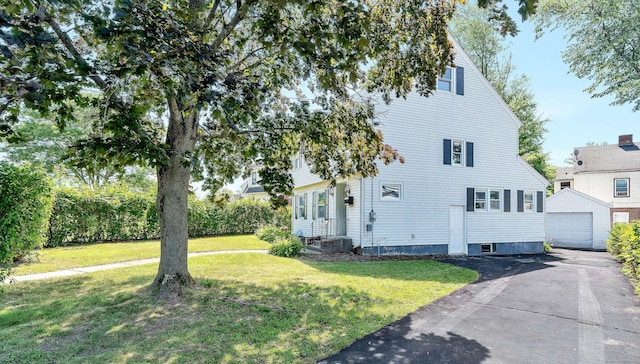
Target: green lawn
[
  {"x": 248, "y": 308},
  {"x": 49, "y": 260}
]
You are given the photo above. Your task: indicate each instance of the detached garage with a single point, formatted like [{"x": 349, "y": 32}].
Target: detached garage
[{"x": 576, "y": 220}]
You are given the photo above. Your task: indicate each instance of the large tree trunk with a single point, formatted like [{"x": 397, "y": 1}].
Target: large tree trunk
[{"x": 173, "y": 190}]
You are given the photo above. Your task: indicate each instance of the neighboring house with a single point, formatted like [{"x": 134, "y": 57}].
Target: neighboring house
[
  {"x": 463, "y": 189},
  {"x": 609, "y": 173},
  {"x": 251, "y": 187},
  {"x": 576, "y": 220}
]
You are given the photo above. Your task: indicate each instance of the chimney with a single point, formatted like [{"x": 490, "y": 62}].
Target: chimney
[{"x": 625, "y": 140}]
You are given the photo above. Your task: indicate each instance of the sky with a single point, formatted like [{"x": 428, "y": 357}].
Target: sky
[{"x": 574, "y": 117}]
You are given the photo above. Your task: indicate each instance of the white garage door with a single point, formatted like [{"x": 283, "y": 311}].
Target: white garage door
[{"x": 570, "y": 229}]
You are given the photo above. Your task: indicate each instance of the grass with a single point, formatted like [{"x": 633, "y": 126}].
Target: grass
[
  {"x": 248, "y": 308},
  {"x": 48, "y": 260}
]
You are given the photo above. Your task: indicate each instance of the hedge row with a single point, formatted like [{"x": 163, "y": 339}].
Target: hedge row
[
  {"x": 25, "y": 207},
  {"x": 115, "y": 215},
  {"x": 624, "y": 244}
]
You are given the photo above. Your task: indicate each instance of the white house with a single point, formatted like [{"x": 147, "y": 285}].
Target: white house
[
  {"x": 577, "y": 220},
  {"x": 463, "y": 189},
  {"x": 251, "y": 187},
  {"x": 609, "y": 173}
]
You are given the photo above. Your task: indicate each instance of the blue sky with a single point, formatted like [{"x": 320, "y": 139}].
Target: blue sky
[{"x": 574, "y": 117}]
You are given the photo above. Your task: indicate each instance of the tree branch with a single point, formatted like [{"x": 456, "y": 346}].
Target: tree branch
[
  {"x": 71, "y": 48},
  {"x": 212, "y": 12},
  {"x": 241, "y": 13}
]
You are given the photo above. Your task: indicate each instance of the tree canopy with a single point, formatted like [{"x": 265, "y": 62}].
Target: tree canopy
[
  {"x": 209, "y": 86},
  {"x": 603, "y": 44}
]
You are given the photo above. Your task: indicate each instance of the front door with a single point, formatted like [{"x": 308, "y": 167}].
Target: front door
[
  {"x": 341, "y": 210},
  {"x": 456, "y": 230}
]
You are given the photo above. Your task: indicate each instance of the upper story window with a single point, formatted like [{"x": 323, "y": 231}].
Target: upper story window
[
  {"x": 445, "y": 82},
  {"x": 457, "y": 152},
  {"x": 297, "y": 161},
  {"x": 621, "y": 187},
  {"x": 254, "y": 178},
  {"x": 457, "y": 149},
  {"x": 564, "y": 185},
  {"x": 452, "y": 80}
]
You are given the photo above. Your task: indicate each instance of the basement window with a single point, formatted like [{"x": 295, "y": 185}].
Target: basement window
[{"x": 488, "y": 248}]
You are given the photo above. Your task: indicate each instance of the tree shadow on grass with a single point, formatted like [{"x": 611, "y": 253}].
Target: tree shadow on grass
[{"x": 220, "y": 321}]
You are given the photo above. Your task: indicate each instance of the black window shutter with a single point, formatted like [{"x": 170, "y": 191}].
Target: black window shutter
[
  {"x": 507, "y": 201},
  {"x": 470, "y": 199},
  {"x": 539, "y": 203},
  {"x": 460, "y": 80},
  {"x": 469, "y": 154},
  {"x": 446, "y": 151},
  {"x": 520, "y": 201}
]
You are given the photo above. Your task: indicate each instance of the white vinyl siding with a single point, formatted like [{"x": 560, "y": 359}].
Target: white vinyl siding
[{"x": 417, "y": 127}]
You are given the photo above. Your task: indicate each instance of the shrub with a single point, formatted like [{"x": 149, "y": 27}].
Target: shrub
[
  {"x": 25, "y": 208},
  {"x": 272, "y": 233},
  {"x": 286, "y": 247},
  {"x": 115, "y": 213},
  {"x": 624, "y": 244}
]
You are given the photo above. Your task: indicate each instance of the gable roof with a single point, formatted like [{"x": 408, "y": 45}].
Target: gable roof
[
  {"x": 607, "y": 158},
  {"x": 460, "y": 52},
  {"x": 570, "y": 191},
  {"x": 563, "y": 173}
]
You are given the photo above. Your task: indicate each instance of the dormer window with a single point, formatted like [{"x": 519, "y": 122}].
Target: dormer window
[{"x": 254, "y": 178}]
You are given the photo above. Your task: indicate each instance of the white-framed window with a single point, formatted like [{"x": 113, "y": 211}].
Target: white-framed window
[
  {"x": 296, "y": 161},
  {"x": 254, "y": 178},
  {"x": 495, "y": 200},
  {"x": 457, "y": 152},
  {"x": 320, "y": 204},
  {"x": 445, "y": 82},
  {"x": 480, "y": 199},
  {"x": 529, "y": 201},
  {"x": 391, "y": 191},
  {"x": 621, "y": 187},
  {"x": 301, "y": 211}
]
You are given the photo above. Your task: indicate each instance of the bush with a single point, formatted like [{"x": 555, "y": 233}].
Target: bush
[
  {"x": 25, "y": 208},
  {"x": 289, "y": 247},
  {"x": 115, "y": 213},
  {"x": 272, "y": 233},
  {"x": 624, "y": 244}
]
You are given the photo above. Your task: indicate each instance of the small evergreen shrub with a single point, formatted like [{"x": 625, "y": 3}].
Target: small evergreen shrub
[
  {"x": 272, "y": 233},
  {"x": 286, "y": 247}
]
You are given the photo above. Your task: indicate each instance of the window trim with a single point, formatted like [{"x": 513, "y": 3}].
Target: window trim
[
  {"x": 477, "y": 200},
  {"x": 388, "y": 198},
  {"x": 462, "y": 152},
  {"x": 615, "y": 187},
  {"x": 532, "y": 204},
  {"x": 499, "y": 200},
  {"x": 317, "y": 205},
  {"x": 301, "y": 206},
  {"x": 450, "y": 81}
]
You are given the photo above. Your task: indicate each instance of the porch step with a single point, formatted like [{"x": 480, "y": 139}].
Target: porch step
[{"x": 330, "y": 245}]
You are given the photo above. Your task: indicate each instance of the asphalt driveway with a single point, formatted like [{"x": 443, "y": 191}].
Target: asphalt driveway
[{"x": 566, "y": 307}]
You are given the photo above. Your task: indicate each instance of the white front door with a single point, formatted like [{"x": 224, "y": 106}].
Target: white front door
[{"x": 456, "y": 230}]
